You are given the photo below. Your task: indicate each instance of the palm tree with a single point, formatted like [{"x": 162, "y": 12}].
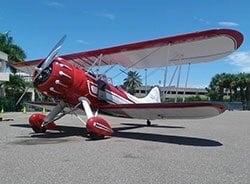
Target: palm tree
[
  {"x": 215, "y": 89},
  {"x": 228, "y": 83},
  {"x": 242, "y": 84},
  {"x": 15, "y": 86},
  {"x": 238, "y": 86},
  {"x": 7, "y": 45},
  {"x": 248, "y": 87},
  {"x": 132, "y": 81}
]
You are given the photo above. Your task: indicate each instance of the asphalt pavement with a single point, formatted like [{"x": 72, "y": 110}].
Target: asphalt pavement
[{"x": 214, "y": 150}]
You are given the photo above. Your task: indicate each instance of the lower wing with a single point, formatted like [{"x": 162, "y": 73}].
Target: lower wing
[
  {"x": 50, "y": 105},
  {"x": 153, "y": 111}
]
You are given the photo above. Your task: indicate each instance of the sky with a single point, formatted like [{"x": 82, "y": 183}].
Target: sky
[{"x": 37, "y": 25}]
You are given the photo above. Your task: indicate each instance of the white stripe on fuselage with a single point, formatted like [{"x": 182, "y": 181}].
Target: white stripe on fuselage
[{"x": 111, "y": 97}]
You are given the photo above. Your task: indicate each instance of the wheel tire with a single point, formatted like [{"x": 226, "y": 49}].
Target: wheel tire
[
  {"x": 95, "y": 137},
  {"x": 148, "y": 122},
  {"x": 38, "y": 130},
  {"x": 36, "y": 121}
]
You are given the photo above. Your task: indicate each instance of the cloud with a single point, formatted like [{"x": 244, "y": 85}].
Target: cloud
[
  {"x": 201, "y": 20},
  {"x": 82, "y": 42},
  {"x": 221, "y": 23},
  {"x": 109, "y": 16},
  {"x": 228, "y": 24},
  {"x": 105, "y": 14},
  {"x": 54, "y": 4},
  {"x": 241, "y": 59}
]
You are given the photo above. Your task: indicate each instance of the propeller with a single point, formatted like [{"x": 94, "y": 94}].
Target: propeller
[
  {"x": 45, "y": 64},
  {"x": 49, "y": 59}
]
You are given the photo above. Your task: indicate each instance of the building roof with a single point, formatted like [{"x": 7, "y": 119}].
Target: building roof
[
  {"x": 3, "y": 56},
  {"x": 171, "y": 88}
]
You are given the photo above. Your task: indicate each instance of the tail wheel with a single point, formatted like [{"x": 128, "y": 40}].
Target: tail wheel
[
  {"x": 148, "y": 122},
  {"x": 36, "y": 121}
]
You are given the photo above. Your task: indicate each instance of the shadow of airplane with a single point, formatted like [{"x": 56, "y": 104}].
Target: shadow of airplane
[
  {"x": 152, "y": 125},
  {"x": 67, "y": 131}
]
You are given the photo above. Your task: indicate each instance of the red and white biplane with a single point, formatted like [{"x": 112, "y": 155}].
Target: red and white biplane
[{"x": 69, "y": 80}]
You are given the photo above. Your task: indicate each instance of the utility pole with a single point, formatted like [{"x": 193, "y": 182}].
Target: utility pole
[
  {"x": 146, "y": 80},
  {"x": 184, "y": 93},
  {"x": 164, "y": 83},
  {"x": 178, "y": 82}
]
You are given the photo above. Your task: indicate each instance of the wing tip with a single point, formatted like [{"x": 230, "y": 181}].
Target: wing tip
[{"x": 236, "y": 35}]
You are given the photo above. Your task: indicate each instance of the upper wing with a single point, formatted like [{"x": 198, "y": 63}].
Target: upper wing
[
  {"x": 193, "y": 47},
  {"x": 165, "y": 110}
]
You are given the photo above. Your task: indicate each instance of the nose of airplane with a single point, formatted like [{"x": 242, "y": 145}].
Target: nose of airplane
[{"x": 55, "y": 80}]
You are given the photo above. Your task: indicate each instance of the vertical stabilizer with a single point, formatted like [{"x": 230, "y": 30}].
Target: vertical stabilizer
[{"x": 152, "y": 97}]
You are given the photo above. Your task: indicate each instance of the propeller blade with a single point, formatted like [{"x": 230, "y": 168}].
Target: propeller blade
[
  {"x": 21, "y": 97},
  {"x": 49, "y": 59},
  {"x": 51, "y": 56}
]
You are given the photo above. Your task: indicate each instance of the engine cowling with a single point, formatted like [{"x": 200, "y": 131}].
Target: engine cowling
[
  {"x": 36, "y": 120},
  {"x": 98, "y": 126}
]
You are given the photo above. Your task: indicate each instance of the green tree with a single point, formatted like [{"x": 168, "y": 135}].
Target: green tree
[
  {"x": 242, "y": 84},
  {"x": 132, "y": 81},
  {"x": 16, "y": 85},
  {"x": 215, "y": 89},
  {"x": 228, "y": 84},
  {"x": 248, "y": 87},
  {"x": 195, "y": 98},
  {"x": 13, "y": 90},
  {"x": 236, "y": 85},
  {"x": 7, "y": 45}
]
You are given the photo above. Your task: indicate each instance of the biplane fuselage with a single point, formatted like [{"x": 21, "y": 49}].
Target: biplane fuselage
[{"x": 68, "y": 83}]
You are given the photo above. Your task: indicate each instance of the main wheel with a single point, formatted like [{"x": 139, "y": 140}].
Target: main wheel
[
  {"x": 36, "y": 121},
  {"x": 98, "y": 128},
  {"x": 38, "y": 129}
]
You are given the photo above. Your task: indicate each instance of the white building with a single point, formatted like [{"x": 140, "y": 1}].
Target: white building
[
  {"x": 171, "y": 93},
  {"x": 27, "y": 78},
  {"x": 4, "y": 72}
]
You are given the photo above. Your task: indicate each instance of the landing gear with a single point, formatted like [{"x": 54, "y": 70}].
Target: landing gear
[
  {"x": 40, "y": 122},
  {"x": 36, "y": 120},
  {"x": 148, "y": 122},
  {"x": 97, "y": 127}
]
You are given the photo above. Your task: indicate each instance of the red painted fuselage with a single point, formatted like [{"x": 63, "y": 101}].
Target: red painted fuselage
[{"x": 67, "y": 82}]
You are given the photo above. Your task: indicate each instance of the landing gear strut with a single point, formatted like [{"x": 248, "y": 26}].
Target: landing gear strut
[
  {"x": 40, "y": 123},
  {"x": 148, "y": 122}
]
